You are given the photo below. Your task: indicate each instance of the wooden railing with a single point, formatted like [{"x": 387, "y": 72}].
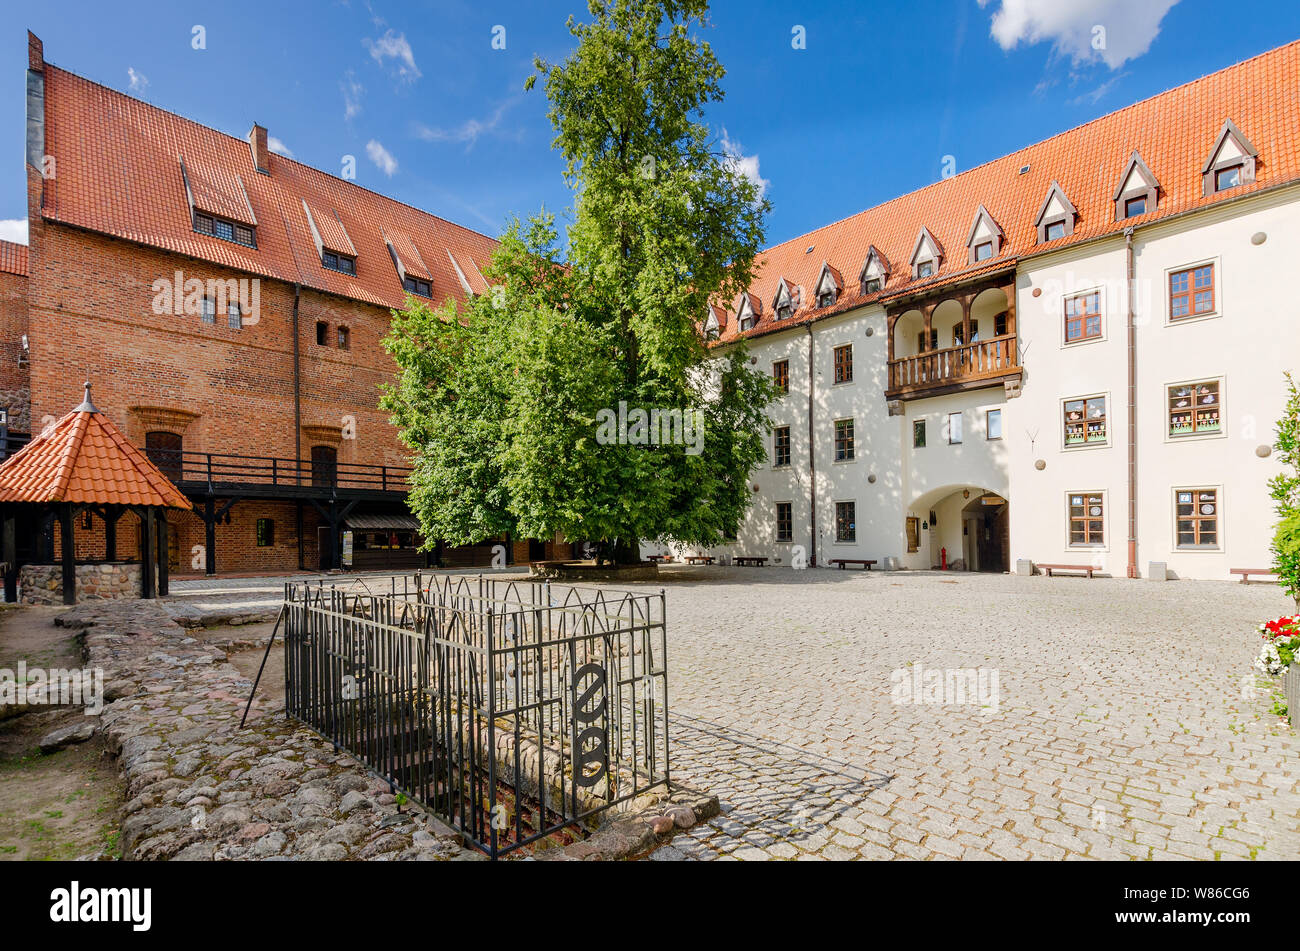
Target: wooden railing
[
  {"x": 982, "y": 359},
  {"x": 225, "y": 469}
]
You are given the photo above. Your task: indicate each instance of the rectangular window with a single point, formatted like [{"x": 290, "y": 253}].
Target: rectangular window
[
  {"x": 1194, "y": 408},
  {"x": 843, "y": 440},
  {"x": 993, "y": 424},
  {"x": 983, "y": 250},
  {"x": 208, "y": 310},
  {"x": 1083, "y": 316},
  {"x": 345, "y": 338},
  {"x": 925, "y": 269},
  {"x": 781, "y": 375},
  {"x": 844, "y": 363},
  {"x": 1227, "y": 178},
  {"x": 846, "y": 527},
  {"x": 1191, "y": 292},
  {"x": 913, "y": 534},
  {"x": 225, "y": 230},
  {"x": 416, "y": 286},
  {"x": 1085, "y": 421},
  {"x": 1087, "y": 518},
  {"x": 784, "y": 522},
  {"x": 959, "y": 333},
  {"x": 1055, "y": 230},
  {"x": 322, "y": 333},
  {"x": 872, "y": 286},
  {"x": 1135, "y": 206},
  {"x": 234, "y": 319},
  {"x": 918, "y": 434},
  {"x": 1197, "y": 515},
  {"x": 781, "y": 446},
  {"x": 265, "y": 532},
  {"x": 339, "y": 262},
  {"x": 934, "y": 341},
  {"x": 954, "y": 429}
]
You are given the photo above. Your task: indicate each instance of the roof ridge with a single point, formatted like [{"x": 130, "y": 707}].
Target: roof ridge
[
  {"x": 235, "y": 138},
  {"x": 1033, "y": 145}
]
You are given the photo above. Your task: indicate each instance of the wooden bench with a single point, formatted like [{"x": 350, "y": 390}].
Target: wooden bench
[
  {"x": 1247, "y": 572},
  {"x": 660, "y": 559},
  {"x": 750, "y": 561},
  {"x": 1086, "y": 569},
  {"x": 699, "y": 559},
  {"x": 843, "y": 563}
]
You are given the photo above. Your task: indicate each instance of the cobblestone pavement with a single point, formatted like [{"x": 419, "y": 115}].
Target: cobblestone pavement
[{"x": 1129, "y": 723}]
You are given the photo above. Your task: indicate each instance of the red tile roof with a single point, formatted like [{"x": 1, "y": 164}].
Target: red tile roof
[
  {"x": 13, "y": 258},
  {"x": 1174, "y": 132},
  {"x": 83, "y": 458},
  {"x": 119, "y": 173}
]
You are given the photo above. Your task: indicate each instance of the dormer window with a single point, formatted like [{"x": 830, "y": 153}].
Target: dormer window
[
  {"x": 874, "y": 272},
  {"x": 414, "y": 285},
  {"x": 829, "y": 284},
  {"x": 712, "y": 325},
  {"x": 784, "y": 311},
  {"x": 1055, "y": 216},
  {"x": 984, "y": 241},
  {"x": 826, "y": 300},
  {"x": 339, "y": 262},
  {"x": 1231, "y": 162},
  {"x": 927, "y": 254},
  {"x": 786, "y": 301},
  {"x": 871, "y": 285},
  {"x": 1138, "y": 190},
  {"x": 747, "y": 314},
  {"x": 223, "y": 229}
]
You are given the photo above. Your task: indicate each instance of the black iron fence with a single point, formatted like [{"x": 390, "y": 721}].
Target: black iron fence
[{"x": 516, "y": 711}]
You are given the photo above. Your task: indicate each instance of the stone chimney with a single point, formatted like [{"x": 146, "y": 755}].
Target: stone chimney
[{"x": 257, "y": 142}]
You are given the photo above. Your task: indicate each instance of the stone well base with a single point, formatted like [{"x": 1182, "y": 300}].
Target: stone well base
[
  {"x": 580, "y": 571},
  {"x": 43, "y": 584}
]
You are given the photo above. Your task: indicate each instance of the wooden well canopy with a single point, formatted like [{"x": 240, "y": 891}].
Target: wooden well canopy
[{"x": 80, "y": 464}]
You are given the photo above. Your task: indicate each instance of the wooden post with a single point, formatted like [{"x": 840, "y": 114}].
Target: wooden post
[
  {"x": 9, "y": 555},
  {"x": 148, "y": 556},
  {"x": 209, "y": 537},
  {"x": 69, "y": 555},
  {"x": 164, "y": 553},
  {"x": 111, "y": 516}
]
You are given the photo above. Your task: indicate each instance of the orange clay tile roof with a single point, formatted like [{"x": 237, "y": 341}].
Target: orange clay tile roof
[
  {"x": 13, "y": 258},
  {"x": 119, "y": 173},
  {"x": 83, "y": 458},
  {"x": 1174, "y": 132}
]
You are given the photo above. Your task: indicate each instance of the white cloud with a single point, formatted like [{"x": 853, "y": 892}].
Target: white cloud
[
  {"x": 139, "y": 81},
  {"x": 1087, "y": 31},
  {"x": 352, "y": 91},
  {"x": 13, "y": 229},
  {"x": 395, "y": 47},
  {"x": 746, "y": 165},
  {"x": 278, "y": 147},
  {"x": 468, "y": 131},
  {"x": 381, "y": 157}
]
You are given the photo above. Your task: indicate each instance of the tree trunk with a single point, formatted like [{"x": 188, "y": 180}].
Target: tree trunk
[{"x": 627, "y": 552}]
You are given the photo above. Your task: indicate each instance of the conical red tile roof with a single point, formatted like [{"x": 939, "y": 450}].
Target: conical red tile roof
[{"x": 84, "y": 458}]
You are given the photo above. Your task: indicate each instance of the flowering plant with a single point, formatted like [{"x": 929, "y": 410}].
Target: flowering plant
[{"x": 1281, "y": 645}]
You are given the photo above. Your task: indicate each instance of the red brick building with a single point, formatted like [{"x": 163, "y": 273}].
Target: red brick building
[{"x": 228, "y": 304}]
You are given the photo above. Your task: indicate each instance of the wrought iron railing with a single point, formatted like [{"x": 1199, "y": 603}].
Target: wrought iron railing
[
  {"x": 226, "y": 469},
  {"x": 981, "y": 359},
  {"x": 517, "y": 711}
]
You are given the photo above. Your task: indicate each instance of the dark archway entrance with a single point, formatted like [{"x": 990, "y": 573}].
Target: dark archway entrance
[{"x": 988, "y": 533}]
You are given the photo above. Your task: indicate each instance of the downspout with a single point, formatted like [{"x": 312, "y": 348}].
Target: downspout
[
  {"x": 1132, "y": 409},
  {"x": 812, "y": 457},
  {"x": 297, "y": 389}
]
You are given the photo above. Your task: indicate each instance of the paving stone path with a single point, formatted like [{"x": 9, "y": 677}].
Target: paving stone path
[{"x": 1129, "y": 722}]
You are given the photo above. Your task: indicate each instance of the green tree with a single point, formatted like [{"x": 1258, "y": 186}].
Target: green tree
[
  {"x": 1285, "y": 490},
  {"x": 503, "y": 397}
]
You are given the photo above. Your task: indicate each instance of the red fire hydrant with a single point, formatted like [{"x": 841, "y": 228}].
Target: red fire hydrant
[{"x": 943, "y": 559}]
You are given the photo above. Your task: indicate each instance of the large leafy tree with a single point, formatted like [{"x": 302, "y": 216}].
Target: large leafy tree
[
  {"x": 502, "y": 397},
  {"x": 1285, "y": 490}
]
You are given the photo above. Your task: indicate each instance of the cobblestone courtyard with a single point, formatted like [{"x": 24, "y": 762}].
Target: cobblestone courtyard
[{"x": 1122, "y": 729}]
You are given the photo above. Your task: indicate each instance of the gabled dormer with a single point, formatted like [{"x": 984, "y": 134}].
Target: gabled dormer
[
  {"x": 1056, "y": 216},
  {"x": 1231, "y": 162},
  {"x": 786, "y": 301},
  {"x": 1138, "y": 191},
  {"x": 984, "y": 241},
  {"x": 333, "y": 244},
  {"x": 714, "y": 323},
  {"x": 927, "y": 255},
  {"x": 828, "y": 286},
  {"x": 875, "y": 272},
  {"x": 747, "y": 314}
]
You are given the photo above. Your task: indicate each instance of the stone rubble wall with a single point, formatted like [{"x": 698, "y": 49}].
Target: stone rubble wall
[{"x": 43, "y": 584}]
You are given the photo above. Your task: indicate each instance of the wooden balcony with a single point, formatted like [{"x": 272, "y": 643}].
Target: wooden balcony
[
  {"x": 208, "y": 473},
  {"x": 970, "y": 366}
]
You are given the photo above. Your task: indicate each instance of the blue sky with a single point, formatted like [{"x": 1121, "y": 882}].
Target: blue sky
[{"x": 868, "y": 108}]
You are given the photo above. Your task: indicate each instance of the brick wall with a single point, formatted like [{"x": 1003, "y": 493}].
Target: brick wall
[{"x": 15, "y": 386}]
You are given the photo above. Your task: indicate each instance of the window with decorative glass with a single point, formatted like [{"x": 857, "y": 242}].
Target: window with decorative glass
[
  {"x": 781, "y": 446},
  {"x": 1197, "y": 517},
  {"x": 846, "y": 528},
  {"x": 1083, "y": 316},
  {"x": 844, "y": 363},
  {"x": 1087, "y": 520},
  {"x": 843, "y": 440},
  {"x": 781, "y": 375},
  {"x": 784, "y": 522},
  {"x": 1085, "y": 421},
  {"x": 1191, "y": 292},
  {"x": 1195, "y": 408}
]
